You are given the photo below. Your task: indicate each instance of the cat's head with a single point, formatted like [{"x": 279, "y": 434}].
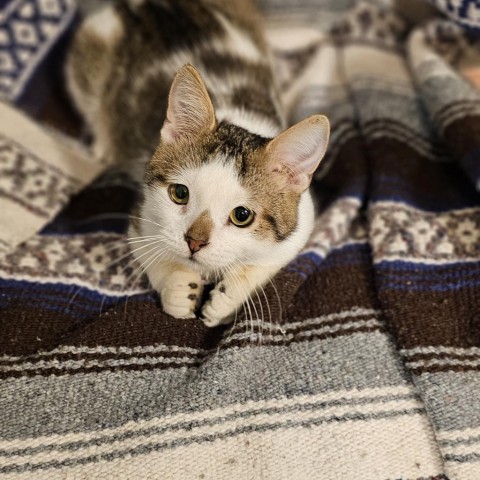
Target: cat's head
[{"x": 218, "y": 195}]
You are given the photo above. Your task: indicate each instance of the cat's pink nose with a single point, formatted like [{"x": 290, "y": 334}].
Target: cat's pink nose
[{"x": 194, "y": 244}]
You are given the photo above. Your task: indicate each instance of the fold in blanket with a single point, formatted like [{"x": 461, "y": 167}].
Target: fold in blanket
[{"x": 362, "y": 358}]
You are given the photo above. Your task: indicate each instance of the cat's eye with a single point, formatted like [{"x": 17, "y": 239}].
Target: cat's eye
[
  {"x": 178, "y": 193},
  {"x": 241, "y": 216}
]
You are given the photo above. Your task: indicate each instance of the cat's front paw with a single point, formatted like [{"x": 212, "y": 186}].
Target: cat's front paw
[
  {"x": 181, "y": 294},
  {"x": 219, "y": 308}
]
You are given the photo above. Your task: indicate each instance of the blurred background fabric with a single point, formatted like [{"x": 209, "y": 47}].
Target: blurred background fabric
[
  {"x": 464, "y": 12},
  {"x": 32, "y": 34},
  {"x": 363, "y": 358}
]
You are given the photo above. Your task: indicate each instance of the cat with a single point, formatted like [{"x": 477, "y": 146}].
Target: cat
[{"x": 183, "y": 93}]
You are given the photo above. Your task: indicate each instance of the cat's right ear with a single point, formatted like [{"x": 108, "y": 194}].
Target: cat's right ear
[{"x": 190, "y": 111}]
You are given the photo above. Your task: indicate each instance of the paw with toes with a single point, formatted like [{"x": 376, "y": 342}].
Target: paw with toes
[
  {"x": 219, "y": 309},
  {"x": 181, "y": 294}
]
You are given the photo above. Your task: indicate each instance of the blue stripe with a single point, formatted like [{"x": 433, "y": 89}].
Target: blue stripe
[
  {"x": 307, "y": 263},
  {"x": 435, "y": 206},
  {"x": 71, "y": 313},
  {"x": 59, "y": 288},
  {"x": 427, "y": 288},
  {"x": 47, "y": 296},
  {"x": 51, "y": 307},
  {"x": 422, "y": 277},
  {"x": 429, "y": 276},
  {"x": 65, "y": 227},
  {"x": 413, "y": 266},
  {"x": 71, "y": 301}
]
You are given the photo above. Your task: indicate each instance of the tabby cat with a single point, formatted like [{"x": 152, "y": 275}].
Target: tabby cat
[{"x": 182, "y": 93}]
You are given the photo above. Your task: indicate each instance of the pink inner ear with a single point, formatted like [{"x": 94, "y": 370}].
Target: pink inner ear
[
  {"x": 169, "y": 133},
  {"x": 298, "y": 151},
  {"x": 190, "y": 110}
]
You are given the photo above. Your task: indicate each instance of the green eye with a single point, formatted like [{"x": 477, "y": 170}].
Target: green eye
[
  {"x": 241, "y": 216},
  {"x": 178, "y": 193}
]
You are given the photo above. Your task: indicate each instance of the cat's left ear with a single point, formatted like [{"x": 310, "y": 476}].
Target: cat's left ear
[
  {"x": 296, "y": 153},
  {"x": 190, "y": 111}
]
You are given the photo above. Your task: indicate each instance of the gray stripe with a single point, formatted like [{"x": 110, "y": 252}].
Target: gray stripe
[
  {"x": 440, "y": 91},
  {"x": 108, "y": 439},
  {"x": 460, "y": 441},
  {"x": 446, "y": 394},
  {"x": 147, "y": 448},
  {"x": 381, "y": 103},
  {"x": 31, "y": 407},
  {"x": 469, "y": 458}
]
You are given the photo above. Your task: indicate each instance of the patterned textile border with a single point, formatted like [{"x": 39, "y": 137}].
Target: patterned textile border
[
  {"x": 39, "y": 172},
  {"x": 359, "y": 361},
  {"x": 28, "y": 31},
  {"x": 465, "y": 12}
]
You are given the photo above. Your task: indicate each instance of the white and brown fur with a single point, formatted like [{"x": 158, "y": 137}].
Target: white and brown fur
[{"x": 216, "y": 129}]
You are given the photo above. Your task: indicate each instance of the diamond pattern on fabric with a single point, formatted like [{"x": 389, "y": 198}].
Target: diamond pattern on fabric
[{"x": 28, "y": 29}]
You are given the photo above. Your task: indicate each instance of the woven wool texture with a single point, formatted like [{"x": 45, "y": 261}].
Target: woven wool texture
[{"x": 366, "y": 364}]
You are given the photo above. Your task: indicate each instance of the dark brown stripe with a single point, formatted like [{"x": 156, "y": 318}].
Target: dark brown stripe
[
  {"x": 445, "y": 368},
  {"x": 160, "y": 366},
  {"x": 431, "y": 318},
  {"x": 389, "y": 125},
  {"x": 88, "y": 356},
  {"x": 329, "y": 290},
  {"x": 445, "y": 112},
  {"x": 441, "y": 356},
  {"x": 425, "y": 184}
]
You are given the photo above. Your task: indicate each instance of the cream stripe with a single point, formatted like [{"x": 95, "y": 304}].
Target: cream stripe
[
  {"x": 463, "y": 434},
  {"x": 439, "y": 350},
  {"x": 387, "y": 66},
  {"x": 463, "y": 471},
  {"x": 354, "y": 312},
  {"x": 425, "y": 261},
  {"x": 442, "y": 362},
  {"x": 225, "y": 426},
  {"x": 11, "y": 212},
  {"x": 209, "y": 415},
  {"x": 471, "y": 448},
  {"x": 403, "y": 206},
  {"x": 391, "y": 448},
  {"x": 310, "y": 333},
  {"x": 86, "y": 363},
  {"x": 107, "y": 350}
]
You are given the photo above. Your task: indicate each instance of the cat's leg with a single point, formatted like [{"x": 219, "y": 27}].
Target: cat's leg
[
  {"x": 180, "y": 289},
  {"x": 236, "y": 288}
]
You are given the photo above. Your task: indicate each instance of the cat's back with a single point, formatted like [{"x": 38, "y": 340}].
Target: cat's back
[{"x": 124, "y": 57}]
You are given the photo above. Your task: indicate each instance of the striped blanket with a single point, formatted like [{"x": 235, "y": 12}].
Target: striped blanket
[{"x": 366, "y": 364}]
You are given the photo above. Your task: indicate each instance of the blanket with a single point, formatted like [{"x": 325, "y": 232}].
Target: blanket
[{"x": 362, "y": 359}]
